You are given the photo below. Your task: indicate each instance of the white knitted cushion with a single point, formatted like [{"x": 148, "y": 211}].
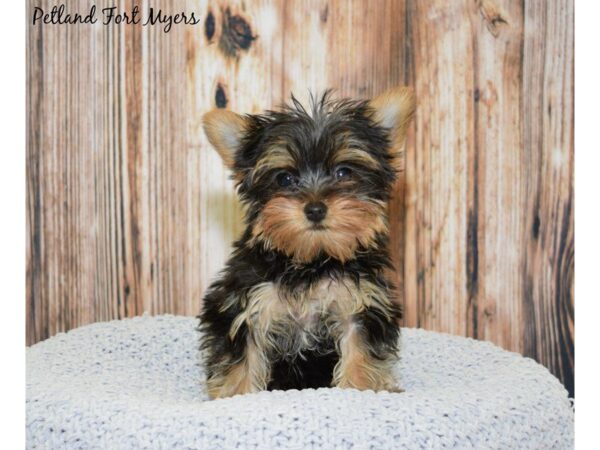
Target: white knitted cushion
[{"x": 137, "y": 383}]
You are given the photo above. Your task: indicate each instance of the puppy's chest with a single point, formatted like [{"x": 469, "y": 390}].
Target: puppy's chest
[
  {"x": 302, "y": 317},
  {"x": 311, "y": 316}
]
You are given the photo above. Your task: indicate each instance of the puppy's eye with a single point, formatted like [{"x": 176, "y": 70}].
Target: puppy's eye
[
  {"x": 286, "y": 179},
  {"x": 343, "y": 173}
]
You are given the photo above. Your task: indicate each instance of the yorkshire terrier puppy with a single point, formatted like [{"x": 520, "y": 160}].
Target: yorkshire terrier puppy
[{"x": 303, "y": 301}]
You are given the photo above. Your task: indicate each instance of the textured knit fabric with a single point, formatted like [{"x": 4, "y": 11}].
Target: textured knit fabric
[{"x": 137, "y": 383}]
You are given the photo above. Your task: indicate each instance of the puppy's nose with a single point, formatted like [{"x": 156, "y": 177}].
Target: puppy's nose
[{"x": 315, "y": 211}]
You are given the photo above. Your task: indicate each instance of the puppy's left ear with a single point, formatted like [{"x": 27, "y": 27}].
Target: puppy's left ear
[
  {"x": 225, "y": 131},
  {"x": 394, "y": 110}
]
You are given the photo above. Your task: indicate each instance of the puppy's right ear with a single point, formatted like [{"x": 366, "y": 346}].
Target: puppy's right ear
[{"x": 225, "y": 131}]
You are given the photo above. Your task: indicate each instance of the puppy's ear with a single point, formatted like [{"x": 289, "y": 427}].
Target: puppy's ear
[
  {"x": 225, "y": 130},
  {"x": 394, "y": 110}
]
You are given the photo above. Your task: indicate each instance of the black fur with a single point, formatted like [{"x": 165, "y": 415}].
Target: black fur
[{"x": 311, "y": 139}]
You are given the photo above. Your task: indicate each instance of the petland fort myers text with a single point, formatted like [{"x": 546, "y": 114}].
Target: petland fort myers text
[{"x": 59, "y": 15}]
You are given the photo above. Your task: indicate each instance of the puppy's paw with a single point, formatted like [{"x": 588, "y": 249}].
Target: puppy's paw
[
  {"x": 395, "y": 389},
  {"x": 363, "y": 379},
  {"x": 236, "y": 381}
]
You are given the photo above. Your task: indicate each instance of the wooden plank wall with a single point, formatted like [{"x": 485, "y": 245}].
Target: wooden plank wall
[{"x": 129, "y": 210}]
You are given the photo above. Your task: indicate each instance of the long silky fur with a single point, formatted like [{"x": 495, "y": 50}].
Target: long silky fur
[{"x": 236, "y": 319}]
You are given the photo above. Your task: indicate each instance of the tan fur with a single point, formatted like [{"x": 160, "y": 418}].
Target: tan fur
[
  {"x": 350, "y": 222},
  {"x": 272, "y": 311},
  {"x": 394, "y": 110},
  {"x": 249, "y": 375},
  {"x": 263, "y": 305},
  {"x": 358, "y": 369},
  {"x": 354, "y": 155},
  {"x": 225, "y": 130},
  {"x": 276, "y": 157}
]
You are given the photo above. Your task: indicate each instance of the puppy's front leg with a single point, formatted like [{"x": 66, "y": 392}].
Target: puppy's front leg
[
  {"x": 365, "y": 363},
  {"x": 250, "y": 373},
  {"x": 238, "y": 340}
]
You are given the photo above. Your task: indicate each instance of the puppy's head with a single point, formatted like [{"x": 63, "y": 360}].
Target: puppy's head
[{"x": 315, "y": 180}]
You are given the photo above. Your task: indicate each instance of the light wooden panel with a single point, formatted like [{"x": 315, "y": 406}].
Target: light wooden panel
[
  {"x": 110, "y": 174},
  {"x": 437, "y": 197},
  {"x": 129, "y": 210},
  {"x": 245, "y": 80}
]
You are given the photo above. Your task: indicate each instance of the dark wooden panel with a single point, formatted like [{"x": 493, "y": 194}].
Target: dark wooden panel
[{"x": 547, "y": 257}]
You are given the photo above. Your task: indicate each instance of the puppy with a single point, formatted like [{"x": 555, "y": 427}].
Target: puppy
[{"x": 303, "y": 301}]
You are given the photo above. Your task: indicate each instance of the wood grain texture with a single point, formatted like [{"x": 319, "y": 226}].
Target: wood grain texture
[{"x": 130, "y": 211}]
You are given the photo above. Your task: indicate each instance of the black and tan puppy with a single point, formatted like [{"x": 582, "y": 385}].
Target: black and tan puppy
[{"x": 303, "y": 301}]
